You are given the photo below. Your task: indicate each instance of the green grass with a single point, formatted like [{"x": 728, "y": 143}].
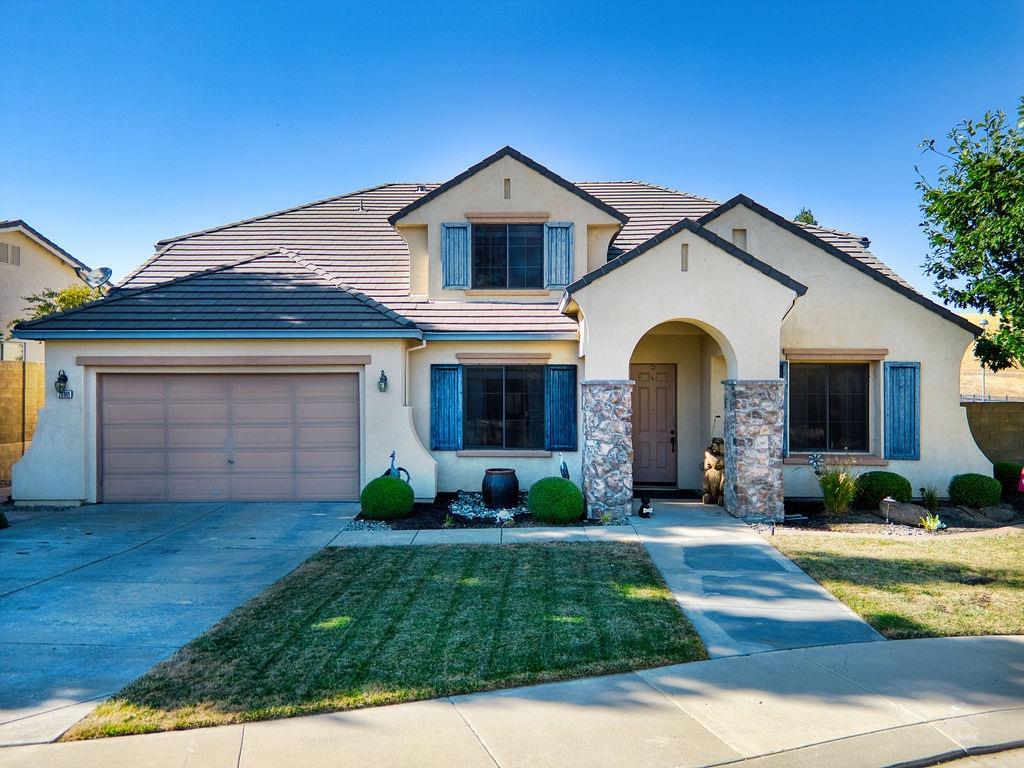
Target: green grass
[
  {"x": 360, "y": 627},
  {"x": 919, "y": 586}
]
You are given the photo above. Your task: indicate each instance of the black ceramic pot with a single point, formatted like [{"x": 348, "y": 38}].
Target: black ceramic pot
[{"x": 501, "y": 488}]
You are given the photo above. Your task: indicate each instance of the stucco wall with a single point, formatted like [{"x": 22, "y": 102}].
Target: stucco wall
[
  {"x": 845, "y": 308},
  {"x": 60, "y": 465},
  {"x": 455, "y": 472},
  {"x": 998, "y": 429},
  {"x": 39, "y": 269},
  {"x": 484, "y": 193},
  {"x": 738, "y": 306}
]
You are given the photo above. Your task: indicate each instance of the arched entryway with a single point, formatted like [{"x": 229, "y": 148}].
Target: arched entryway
[{"x": 678, "y": 370}]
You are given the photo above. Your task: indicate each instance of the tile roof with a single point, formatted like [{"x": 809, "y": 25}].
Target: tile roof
[
  {"x": 274, "y": 291},
  {"x": 348, "y": 238}
]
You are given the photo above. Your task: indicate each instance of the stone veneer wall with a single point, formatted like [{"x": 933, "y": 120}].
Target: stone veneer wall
[
  {"x": 608, "y": 447},
  {"x": 754, "y": 424}
]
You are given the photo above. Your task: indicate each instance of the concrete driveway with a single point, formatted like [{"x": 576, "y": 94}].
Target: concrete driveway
[{"x": 91, "y": 598}]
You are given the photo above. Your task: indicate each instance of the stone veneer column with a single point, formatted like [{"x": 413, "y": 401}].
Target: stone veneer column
[
  {"x": 754, "y": 423},
  {"x": 608, "y": 447}
]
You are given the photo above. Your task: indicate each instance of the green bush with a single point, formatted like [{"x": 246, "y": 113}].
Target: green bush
[
  {"x": 872, "y": 487},
  {"x": 1008, "y": 475},
  {"x": 973, "y": 490},
  {"x": 386, "y": 498},
  {"x": 555, "y": 500}
]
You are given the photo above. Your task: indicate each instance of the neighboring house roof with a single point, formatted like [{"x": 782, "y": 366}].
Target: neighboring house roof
[
  {"x": 350, "y": 239},
  {"x": 841, "y": 246},
  {"x": 686, "y": 224},
  {"x": 32, "y": 233},
  {"x": 515, "y": 155},
  {"x": 264, "y": 294}
]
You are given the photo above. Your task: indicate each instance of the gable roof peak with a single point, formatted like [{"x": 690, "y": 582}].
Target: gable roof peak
[{"x": 515, "y": 154}]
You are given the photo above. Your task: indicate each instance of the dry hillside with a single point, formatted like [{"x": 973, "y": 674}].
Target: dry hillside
[{"x": 1008, "y": 383}]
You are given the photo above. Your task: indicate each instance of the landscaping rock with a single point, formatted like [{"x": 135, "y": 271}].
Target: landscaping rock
[
  {"x": 905, "y": 514},
  {"x": 1000, "y": 513}
]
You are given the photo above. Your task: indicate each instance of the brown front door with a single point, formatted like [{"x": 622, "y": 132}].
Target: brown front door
[
  {"x": 230, "y": 437},
  {"x": 654, "y": 423}
]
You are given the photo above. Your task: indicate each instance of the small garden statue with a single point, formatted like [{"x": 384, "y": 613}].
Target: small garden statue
[
  {"x": 394, "y": 471},
  {"x": 714, "y": 472}
]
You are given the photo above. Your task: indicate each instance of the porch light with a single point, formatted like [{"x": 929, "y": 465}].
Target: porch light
[
  {"x": 382, "y": 382},
  {"x": 61, "y": 384}
]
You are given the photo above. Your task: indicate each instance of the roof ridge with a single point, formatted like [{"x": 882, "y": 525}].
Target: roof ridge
[
  {"x": 842, "y": 232},
  {"x": 369, "y": 301},
  {"x": 251, "y": 219}
]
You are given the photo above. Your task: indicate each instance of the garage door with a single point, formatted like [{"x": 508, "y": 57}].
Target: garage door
[{"x": 196, "y": 437}]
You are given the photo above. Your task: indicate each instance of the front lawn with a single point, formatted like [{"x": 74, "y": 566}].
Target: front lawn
[
  {"x": 927, "y": 586},
  {"x": 359, "y": 627}
]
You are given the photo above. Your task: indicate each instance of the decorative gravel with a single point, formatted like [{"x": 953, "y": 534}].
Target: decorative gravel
[
  {"x": 471, "y": 506},
  {"x": 367, "y": 525}
]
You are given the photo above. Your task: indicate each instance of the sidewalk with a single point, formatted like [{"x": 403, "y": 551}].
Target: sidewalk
[{"x": 859, "y": 705}]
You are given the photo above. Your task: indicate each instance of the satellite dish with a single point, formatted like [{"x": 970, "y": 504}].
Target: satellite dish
[{"x": 96, "y": 277}]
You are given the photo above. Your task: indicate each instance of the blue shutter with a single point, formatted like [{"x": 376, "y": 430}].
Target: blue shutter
[
  {"x": 560, "y": 407},
  {"x": 445, "y": 407},
  {"x": 903, "y": 411},
  {"x": 784, "y": 375},
  {"x": 455, "y": 248},
  {"x": 557, "y": 254}
]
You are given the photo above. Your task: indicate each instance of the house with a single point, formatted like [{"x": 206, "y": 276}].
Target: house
[
  {"x": 506, "y": 317},
  {"x": 29, "y": 263}
]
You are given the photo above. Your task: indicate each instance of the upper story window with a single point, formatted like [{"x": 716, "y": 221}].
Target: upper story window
[
  {"x": 828, "y": 407},
  {"x": 508, "y": 256}
]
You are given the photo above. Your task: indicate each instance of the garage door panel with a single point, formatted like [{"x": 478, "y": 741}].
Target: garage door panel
[
  {"x": 347, "y": 413},
  {"x": 186, "y": 388},
  {"x": 261, "y": 412},
  {"x": 134, "y": 412},
  {"x": 191, "y": 462},
  {"x": 197, "y": 487},
  {"x": 197, "y": 437},
  {"x": 136, "y": 461},
  {"x": 138, "y": 438},
  {"x": 264, "y": 460},
  {"x": 197, "y": 412},
  {"x": 170, "y": 436},
  {"x": 324, "y": 460}
]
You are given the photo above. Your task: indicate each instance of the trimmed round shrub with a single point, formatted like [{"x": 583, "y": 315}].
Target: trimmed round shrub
[
  {"x": 555, "y": 500},
  {"x": 1008, "y": 475},
  {"x": 872, "y": 487},
  {"x": 386, "y": 498},
  {"x": 973, "y": 490}
]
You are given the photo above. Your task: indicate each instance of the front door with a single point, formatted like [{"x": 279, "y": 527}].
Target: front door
[{"x": 654, "y": 423}]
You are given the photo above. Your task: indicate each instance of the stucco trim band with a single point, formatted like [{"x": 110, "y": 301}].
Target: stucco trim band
[
  {"x": 508, "y": 217},
  {"x": 840, "y": 354},
  {"x": 219, "y": 360},
  {"x": 502, "y": 358}
]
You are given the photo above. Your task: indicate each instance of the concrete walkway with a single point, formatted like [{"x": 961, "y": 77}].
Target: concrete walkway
[{"x": 865, "y": 704}]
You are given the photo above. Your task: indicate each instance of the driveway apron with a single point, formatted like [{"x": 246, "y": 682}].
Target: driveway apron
[{"x": 91, "y": 598}]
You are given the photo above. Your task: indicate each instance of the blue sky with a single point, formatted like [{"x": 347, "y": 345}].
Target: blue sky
[{"x": 128, "y": 122}]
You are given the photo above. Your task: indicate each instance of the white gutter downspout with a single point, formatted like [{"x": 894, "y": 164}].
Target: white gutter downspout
[{"x": 405, "y": 386}]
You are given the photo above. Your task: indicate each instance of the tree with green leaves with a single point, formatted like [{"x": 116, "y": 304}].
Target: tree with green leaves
[
  {"x": 805, "y": 217},
  {"x": 49, "y": 301},
  {"x": 974, "y": 221}
]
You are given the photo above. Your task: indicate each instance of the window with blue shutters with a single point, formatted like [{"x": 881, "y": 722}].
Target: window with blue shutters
[
  {"x": 456, "y": 239},
  {"x": 446, "y": 407},
  {"x": 515, "y": 407},
  {"x": 902, "y": 410},
  {"x": 560, "y": 407},
  {"x": 557, "y": 254}
]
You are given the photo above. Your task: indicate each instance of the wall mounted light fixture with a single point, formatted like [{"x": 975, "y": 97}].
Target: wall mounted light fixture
[
  {"x": 382, "y": 382},
  {"x": 61, "y": 385}
]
